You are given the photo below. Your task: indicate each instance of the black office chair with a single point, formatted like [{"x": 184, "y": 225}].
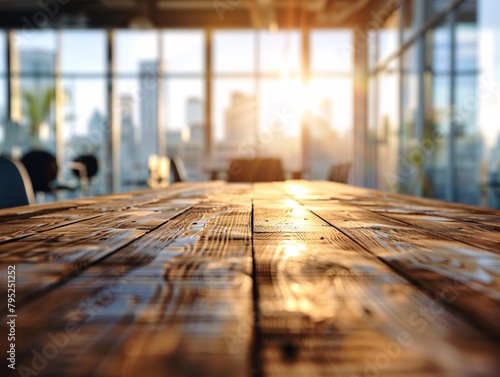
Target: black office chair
[
  {"x": 85, "y": 166},
  {"x": 16, "y": 189},
  {"x": 178, "y": 170},
  {"x": 42, "y": 169},
  {"x": 255, "y": 170}
]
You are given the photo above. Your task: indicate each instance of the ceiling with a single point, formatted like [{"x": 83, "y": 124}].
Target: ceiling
[{"x": 184, "y": 13}]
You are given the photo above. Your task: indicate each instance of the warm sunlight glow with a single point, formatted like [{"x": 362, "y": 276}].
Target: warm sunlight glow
[
  {"x": 291, "y": 249},
  {"x": 296, "y": 190}
]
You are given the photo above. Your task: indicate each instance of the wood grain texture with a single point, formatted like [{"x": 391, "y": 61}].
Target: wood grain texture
[
  {"x": 273, "y": 279},
  {"x": 171, "y": 301},
  {"x": 328, "y": 306}
]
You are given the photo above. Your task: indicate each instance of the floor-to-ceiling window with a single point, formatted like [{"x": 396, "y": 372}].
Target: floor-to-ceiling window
[
  {"x": 184, "y": 98},
  {"x": 57, "y": 99},
  {"x": 280, "y": 103},
  {"x": 137, "y": 86},
  {"x": 488, "y": 97},
  {"x": 33, "y": 88},
  {"x": 386, "y": 171},
  {"x": 68, "y": 87},
  {"x": 84, "y": 98},
  {"x": 264, "y": 106},
  {"x": 258, "y": 94},
  {"x": 450, "y": 71},
  {"x": 437, "y": 173},
  {"x": 234, "y": 96},
  {"x": 331, "y": 88}
]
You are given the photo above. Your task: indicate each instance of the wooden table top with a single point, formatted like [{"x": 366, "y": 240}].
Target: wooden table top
[{"x": 278, "y": 279}]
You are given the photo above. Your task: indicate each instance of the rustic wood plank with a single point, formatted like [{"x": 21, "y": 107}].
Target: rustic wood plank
[
  {"x": 424, "y": 257},
  {"x": 296, "y": 278},
  {"x": 326, "y": 306},
  {"x": 185, "y": 289}
]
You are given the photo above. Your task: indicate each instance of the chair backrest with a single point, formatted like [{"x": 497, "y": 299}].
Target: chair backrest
[
  {"x": 334, "y": 173},
  {"x": 339, "y": 173},
  {"x": 42, "y": 169},
  {"x": 255, "y": 170},
  {"x": 178, "y": 170},
  {"x": 91, "y": 165},
  {"x": 15, "y": 186}
]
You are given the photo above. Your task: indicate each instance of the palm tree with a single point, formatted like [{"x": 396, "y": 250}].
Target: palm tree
[{"x": 38, "y": 107}]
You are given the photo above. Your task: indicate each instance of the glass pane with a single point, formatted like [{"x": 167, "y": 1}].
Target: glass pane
[
  {"x": 436, "y": 6},
  {"x": 183, "y": 51},
  {"x": 437, "y": 167},
  {"x": 466, "y": 35},
  {"x": 389, "y": 174},
  {"x": 441, "y": 48},
  {"x": 37, "y": 57},
  {"x": 411, "y": 22},
  {"x": 279, "y": 52},
  {"x": 85, "y": 130},
  {"x": 467, "y": 141},
  {"x": 185, "y": 111},
  {"x": 389, "y": 36},
  {"x": 235, "y": 120},
  {"x": 139, "y": 134},
  {"x": 234, "y": 51},
  {"x": 371, "y": 160},
  {"x": 372, "y": 49},
  {"x": 83, "y": 51},
  {"x": 437, "y": 179},
  {"x": 489, "y": 98},
  {"x": 280, "y": 114},
  {"x": 3, "y": 52},
  {"x": 135, "y": 50},
  {"x": 410, "y": 127},
  {"x": 331, "y": 50},
  {"x": 330, "y": 135}
]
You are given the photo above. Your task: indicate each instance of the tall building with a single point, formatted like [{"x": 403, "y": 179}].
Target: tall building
[
  {"x": 128, "y": 145},
  {"x": 148, "y": 113},
  {"x": 195, "y": 116},
  {"x": 241, "y": 118}
]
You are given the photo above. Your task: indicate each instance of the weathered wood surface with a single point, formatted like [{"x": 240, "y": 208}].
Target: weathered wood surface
[{"x": 277, "y": 279}]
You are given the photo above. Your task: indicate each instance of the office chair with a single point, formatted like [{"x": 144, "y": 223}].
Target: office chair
[
  {"x": 178, "y": 169},
  {"x": 339, "y": 173},
  {"x": 85, "y": 167},
  {"x": 15, "y": 189},
  {"x": 255, "y": 170},
  {"x": 42, "y": 169}
]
